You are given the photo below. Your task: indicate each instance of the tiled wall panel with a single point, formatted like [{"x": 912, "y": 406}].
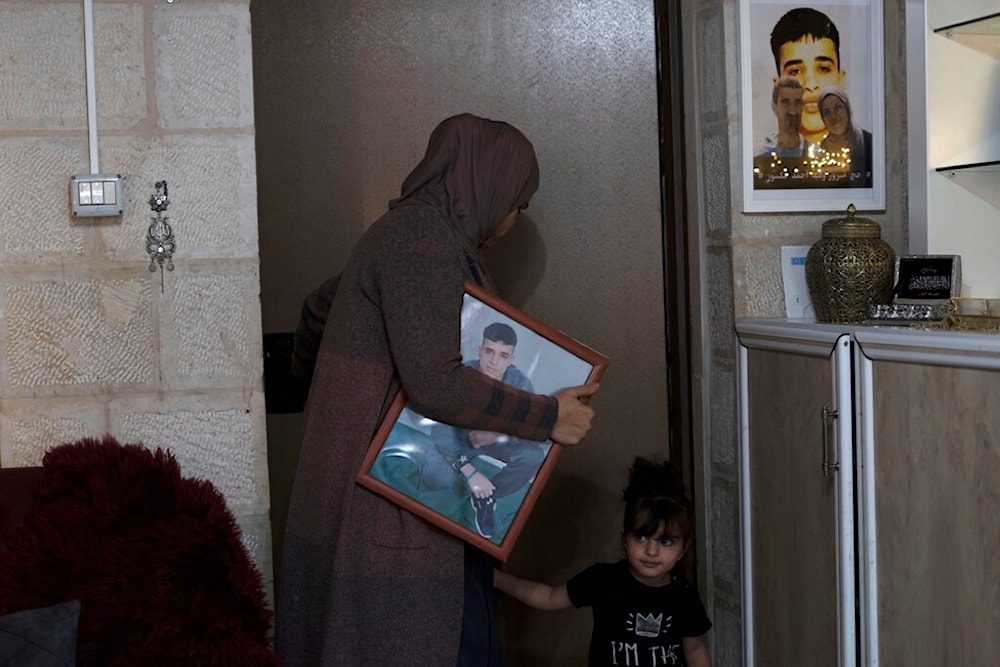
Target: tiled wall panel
[
  {"x": 203, "y": 49},
  {"x": 28, "y": 428},
  {"x": 77, "y": 331},
  {"x": 211, "y": 187},
  {"x": 34, "y": 200},
  {"x": 44, "y": 46},
  {"x": 214, "y": 436}
]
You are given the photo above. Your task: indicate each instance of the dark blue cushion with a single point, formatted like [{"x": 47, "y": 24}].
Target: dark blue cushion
[{"x": 40, "y": 637}]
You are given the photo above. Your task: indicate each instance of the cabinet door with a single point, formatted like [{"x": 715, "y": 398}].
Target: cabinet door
[
  {"x": 792, "y": 510},
  {"x": 937, "y": 514}
]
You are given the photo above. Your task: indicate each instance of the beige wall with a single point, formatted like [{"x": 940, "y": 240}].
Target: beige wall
[
  {"x": 90, "y": 344},
  {"x": 347, "y": 97}
]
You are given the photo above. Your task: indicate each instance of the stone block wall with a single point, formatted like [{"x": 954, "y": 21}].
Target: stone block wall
[{"x": 90, "y": 342}]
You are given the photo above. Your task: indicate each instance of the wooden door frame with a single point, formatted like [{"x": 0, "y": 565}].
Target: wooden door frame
[{"x": 675, "y": 241}]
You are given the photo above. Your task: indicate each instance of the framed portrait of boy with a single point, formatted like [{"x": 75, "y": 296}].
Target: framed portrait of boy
[
  {"x": 480, "y": 485},
  {"x": 813, "y": 111}
]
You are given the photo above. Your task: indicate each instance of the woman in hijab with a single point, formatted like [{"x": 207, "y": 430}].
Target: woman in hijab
[
  {"x": 845, "y": 140},
  {"x": 363, "y": 582}
]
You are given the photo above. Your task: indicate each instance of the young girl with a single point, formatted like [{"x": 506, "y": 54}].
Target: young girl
[{"x": 646, "y": 612}]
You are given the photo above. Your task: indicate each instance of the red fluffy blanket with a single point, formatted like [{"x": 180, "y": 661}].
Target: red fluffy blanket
[{"x": 155, "y": 560}]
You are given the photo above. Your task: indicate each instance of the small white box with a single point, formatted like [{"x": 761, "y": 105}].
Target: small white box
[{"x": 798, "y": 304}]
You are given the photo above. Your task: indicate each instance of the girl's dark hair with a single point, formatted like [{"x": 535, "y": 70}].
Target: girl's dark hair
[{"x": 655, "y": 497}]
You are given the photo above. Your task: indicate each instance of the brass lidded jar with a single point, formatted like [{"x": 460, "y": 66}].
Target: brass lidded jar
[{"x": 849, "y": 269}]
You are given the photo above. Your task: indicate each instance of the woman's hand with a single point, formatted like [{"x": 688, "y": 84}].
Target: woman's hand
[{"x": 575, "y": 414}]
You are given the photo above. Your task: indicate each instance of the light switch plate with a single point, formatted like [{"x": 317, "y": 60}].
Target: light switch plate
[{"x": 96, "y": 195}]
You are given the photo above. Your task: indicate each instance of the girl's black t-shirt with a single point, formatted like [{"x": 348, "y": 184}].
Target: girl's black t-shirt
[{"x": 636, "y": 624}]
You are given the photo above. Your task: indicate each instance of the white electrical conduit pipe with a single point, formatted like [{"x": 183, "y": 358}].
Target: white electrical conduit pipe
[{"x": 88, "y": 35}]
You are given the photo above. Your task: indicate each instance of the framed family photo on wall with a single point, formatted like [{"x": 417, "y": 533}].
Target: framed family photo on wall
[
  {"x": 480, "y": 485},
  {"x": 813, "y": 120}
]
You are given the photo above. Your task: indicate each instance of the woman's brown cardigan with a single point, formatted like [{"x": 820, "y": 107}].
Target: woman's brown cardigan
[{"x": 364, "y": 582}]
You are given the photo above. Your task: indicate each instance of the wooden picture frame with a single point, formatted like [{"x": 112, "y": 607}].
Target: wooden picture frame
[
  {"x": 408, "y": 459},
  {"x": 778, "y": 176}
]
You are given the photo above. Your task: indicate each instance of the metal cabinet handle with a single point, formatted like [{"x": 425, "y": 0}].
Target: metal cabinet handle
[{"x": 829, "y": 466}]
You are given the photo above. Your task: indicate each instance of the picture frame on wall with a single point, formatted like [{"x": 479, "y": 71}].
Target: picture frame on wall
[
  {"x": 478, "y": 485},
  {"x": 791, "y": 54}
]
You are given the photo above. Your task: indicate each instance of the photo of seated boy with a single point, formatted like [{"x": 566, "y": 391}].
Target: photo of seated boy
[{"x": 476, "y": 478}]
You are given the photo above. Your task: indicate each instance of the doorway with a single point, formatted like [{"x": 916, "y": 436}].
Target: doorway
[{"x": 345, "y": 100}]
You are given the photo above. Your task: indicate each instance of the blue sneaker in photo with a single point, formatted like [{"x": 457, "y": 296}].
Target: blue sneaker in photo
[{"x": 485, "y": 521}]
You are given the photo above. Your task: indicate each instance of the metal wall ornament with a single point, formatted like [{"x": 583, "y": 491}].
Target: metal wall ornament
[{"x": 160, "y": 243}]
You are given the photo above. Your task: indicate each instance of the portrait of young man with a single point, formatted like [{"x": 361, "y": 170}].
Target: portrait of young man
[
  {"x": 805, "y": 43},
  {"x": 826, "y": 47},
  {"x": 477, "y": 480}
]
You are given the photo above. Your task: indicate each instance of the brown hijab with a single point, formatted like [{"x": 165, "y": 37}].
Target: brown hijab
[{"x": 475, "y": 172}]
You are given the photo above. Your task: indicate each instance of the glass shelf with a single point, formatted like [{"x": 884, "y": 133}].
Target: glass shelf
[
  {"x": 982, "y": 34},
  {"x": 980, "y": 178}
]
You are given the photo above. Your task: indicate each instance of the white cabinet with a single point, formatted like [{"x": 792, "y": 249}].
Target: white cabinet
[
  {"x": 870, "y": 475},
  {"x": 798, "y": 521}
]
